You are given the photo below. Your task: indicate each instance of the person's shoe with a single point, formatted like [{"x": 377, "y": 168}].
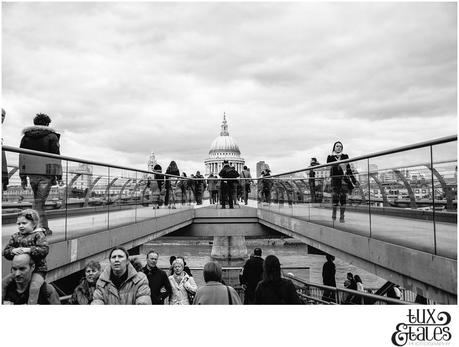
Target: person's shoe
[{"x": 341, "y": 219}]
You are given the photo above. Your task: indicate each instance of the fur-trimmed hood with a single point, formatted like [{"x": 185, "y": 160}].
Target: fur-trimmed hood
[{"x": 39, "y": 131}]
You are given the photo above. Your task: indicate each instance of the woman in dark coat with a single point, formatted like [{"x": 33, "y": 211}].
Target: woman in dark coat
[
  {"x": 273, "y": 289},
  {"x": 171, "y": 183},
  {"x": 342, "y": 180}
]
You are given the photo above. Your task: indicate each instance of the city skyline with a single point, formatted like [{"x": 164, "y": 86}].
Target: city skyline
[{"x": 128, "y": 79}]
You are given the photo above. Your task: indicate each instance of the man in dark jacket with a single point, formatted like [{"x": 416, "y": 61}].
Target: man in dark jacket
[
  {"x": 251, "y": 275},
  {"x": 43, "y": 172},
  {"x": 158, "y": 281},
  {"x": 200, "y": 186},
  {"x": 227, "y": 186},
  {"x": 17, "y": 291}
]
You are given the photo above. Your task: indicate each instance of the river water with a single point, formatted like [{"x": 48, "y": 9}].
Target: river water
[{"x": 291, "y": 254}]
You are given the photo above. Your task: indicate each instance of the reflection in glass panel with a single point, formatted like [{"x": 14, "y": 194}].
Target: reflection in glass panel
[
  {"x": 87, "y": 208},
  {"x": 31, "y": 181},
  {"x": 122, "y": 206},
  {"x": 444, "y": 172},
  {"x": 401, "y": 198}
]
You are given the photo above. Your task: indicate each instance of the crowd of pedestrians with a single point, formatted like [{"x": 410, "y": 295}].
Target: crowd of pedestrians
[{"x": 126, "y": 282}]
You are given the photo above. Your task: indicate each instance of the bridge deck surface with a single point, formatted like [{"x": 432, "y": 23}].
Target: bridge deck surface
[{"x": 412, "y": 233}]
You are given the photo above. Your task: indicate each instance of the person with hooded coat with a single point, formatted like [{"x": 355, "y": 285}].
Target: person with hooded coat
[
  {"x": 342, "y": 180},
  {"x": 43, "y": 172},
  {"x": 120, "y": 283}
]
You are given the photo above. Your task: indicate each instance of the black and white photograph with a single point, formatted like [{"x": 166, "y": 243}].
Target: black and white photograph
[{"x": 296, "y": 161}]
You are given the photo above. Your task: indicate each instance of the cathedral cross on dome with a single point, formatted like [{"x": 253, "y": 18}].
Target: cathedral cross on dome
[{"x": 224, "y": 131}]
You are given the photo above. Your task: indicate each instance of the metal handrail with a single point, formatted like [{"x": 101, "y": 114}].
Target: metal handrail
[
  {"x": 309, "y": 168},
  {"x": 376, "y": 154},
  {"x": 350, "y": 291},
  {"x": 63, "y": 157}
]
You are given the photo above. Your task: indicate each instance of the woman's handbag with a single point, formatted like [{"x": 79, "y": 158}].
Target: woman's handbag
[{"x": 190, "y": 295}]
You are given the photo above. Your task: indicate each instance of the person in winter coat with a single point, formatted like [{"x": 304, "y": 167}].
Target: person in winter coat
[
  {"x": 42, "y": 172},
  {"x": 228, "y": 186},
  {"x": 120, "y": 283},
  {"x": 252, "y": 273},
  {"x": 266, "y": 185},
  {"x": 83, "y": 293},
  {"x": 181, "y": 282},
  {"x": 183, "y": 184},
  {"x": 246, "y": 182},
  {"x": 342, "y": 180},
  {"x": 212, "y": 186},
  {"x": 31, "y": 240},
  {"x": 274, "y": 290},
  {"x": 160, "y": 286},
  {"x": 199, "y": 187},
  {"x": 171, "y": 183},
  {"x": 215, "y": 292},
  {"x": 328, "y": 278}
]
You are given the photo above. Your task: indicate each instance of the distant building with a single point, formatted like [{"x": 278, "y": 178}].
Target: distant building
[
  {"x": 151, "y": 162},
  {"x": 262, "y": 166},
  {"x": 224, "y": 147}
]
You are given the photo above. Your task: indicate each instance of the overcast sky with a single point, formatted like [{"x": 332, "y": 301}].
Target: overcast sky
[{"x": 122, "y": 80}]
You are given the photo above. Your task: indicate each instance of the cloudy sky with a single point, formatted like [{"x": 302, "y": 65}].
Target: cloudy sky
[{"x": 121, "y": 80}]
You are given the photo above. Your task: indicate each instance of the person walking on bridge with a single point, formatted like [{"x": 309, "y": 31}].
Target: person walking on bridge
[
  {"x": 246, "y": 182},
  {"x": 199, "y": 187},
  {"x": 342, "y": 180},
  {"x": 171, "y": 184},
  {"x": 42, "y": 172},
  {"x": 252, "y": 273},
  {"x": 120, "y": 283}
]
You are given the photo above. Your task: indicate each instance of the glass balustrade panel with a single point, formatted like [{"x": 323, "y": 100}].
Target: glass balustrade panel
[
  {"x": 400, "y": 212},
  {"x": 444, "y": 172},
  {"x": 123, "y": 206},
  {"x": 86, "y": 199}
]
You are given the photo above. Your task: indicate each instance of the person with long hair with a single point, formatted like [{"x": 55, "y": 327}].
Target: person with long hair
[
  {"x": 342, "y": 180},
  {"x": 171, "y": 183},
  {"x": 274, "y": 289}
]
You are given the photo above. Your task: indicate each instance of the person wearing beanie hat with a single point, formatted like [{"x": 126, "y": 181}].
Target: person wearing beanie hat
[
  {"x": 342, "y": 180},
  {"x": 31, "y": 240}
]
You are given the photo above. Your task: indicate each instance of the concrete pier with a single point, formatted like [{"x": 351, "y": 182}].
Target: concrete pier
[{"x": 229, "y": 248}]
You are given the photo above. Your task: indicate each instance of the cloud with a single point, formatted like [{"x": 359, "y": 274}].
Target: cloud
[{"x": 125, "y": 79}]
